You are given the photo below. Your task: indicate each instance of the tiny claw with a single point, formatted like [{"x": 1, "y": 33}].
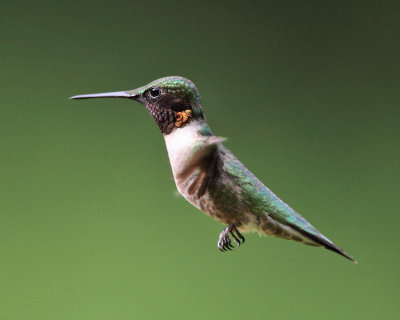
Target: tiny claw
[
  {"x": 225, "y": 242},
  {"x": 228, "y": 242},
  {"x": 222, "y": 246},
  {"x": 240, "y": 235},
  {"x": 226, "y": 245},
  {"x": 235, "y": 238}
]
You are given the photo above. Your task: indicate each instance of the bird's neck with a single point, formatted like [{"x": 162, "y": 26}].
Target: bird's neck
[{"x": 181, "y": 141}]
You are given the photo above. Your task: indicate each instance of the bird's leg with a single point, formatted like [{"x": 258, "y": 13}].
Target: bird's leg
[{"x": 224, "y": 241}]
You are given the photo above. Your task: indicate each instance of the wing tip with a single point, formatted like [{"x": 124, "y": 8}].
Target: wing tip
[
  {"x": 325, "y": 243},
  {"x": 334, "y": 248}
]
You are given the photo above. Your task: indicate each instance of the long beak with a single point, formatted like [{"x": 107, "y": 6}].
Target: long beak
[{"x": 117, "y": 94}]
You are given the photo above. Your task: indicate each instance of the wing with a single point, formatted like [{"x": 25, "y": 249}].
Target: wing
[{"x": 202, "y": 162}]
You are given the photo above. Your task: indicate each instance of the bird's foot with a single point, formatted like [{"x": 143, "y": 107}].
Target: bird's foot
[{"x": 224, "y": 241}]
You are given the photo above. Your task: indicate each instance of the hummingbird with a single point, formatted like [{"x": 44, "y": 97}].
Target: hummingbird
[{"x": 209, "y": 176}]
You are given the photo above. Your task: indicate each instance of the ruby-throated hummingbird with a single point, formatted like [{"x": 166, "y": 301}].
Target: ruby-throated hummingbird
[{"x": 209, "y": 176}]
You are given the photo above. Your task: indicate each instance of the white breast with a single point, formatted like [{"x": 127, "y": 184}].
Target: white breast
[{"x": 180, "y": 143}]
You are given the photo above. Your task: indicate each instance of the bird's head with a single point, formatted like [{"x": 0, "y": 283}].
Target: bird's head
[{"x": 173, "y": 102}]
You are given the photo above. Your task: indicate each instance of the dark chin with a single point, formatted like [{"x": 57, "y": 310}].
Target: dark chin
[{"x": 164, "y": 118}]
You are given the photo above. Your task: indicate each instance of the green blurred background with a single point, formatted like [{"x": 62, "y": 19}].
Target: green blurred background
[{"x": 90, "y": 225}]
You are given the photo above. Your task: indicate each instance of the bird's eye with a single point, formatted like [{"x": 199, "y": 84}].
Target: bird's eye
[{"x": 154, "y": 92}]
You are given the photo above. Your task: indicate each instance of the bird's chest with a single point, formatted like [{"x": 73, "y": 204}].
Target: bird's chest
[{"x": 180, "y": 144}]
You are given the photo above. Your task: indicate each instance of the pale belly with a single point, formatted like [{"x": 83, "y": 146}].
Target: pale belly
[{"x": 245, "y": 220}]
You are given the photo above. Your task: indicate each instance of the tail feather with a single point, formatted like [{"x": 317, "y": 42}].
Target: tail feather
[{"x": 324, "y": 242}]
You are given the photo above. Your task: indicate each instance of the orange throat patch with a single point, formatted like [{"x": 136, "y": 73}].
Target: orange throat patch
[{"x": 183, "y": 118}]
